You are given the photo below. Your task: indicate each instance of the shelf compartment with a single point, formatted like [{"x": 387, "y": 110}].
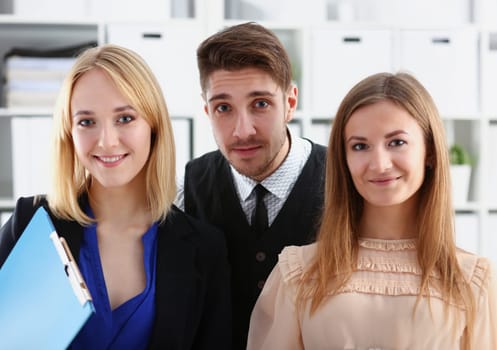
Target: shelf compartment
[
  {"x": 340, "y": 58},
  {"x": 446, "y": 63}
]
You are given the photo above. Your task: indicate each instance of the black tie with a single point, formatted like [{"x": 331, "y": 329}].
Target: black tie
[{"x": 259, "y": 217}]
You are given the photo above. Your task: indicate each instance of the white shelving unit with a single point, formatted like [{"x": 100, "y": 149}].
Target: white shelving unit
[
  {"x": 17, "y": 171},
  {"x": 332, "y": 44}
]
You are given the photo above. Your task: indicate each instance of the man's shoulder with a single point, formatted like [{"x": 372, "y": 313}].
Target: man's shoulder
[
  {"x": 213, "y": 157},
  {"x": 206, "y": 169},
  {"x": 207, "y": 156},
  {"x": 317, "y": 156},
  {"x": 318, "y": 149}
]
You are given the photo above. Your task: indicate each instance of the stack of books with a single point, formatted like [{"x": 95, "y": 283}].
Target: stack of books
[
  {"x": 33, "y": 77},
  {"x": 34, "y": 81}
]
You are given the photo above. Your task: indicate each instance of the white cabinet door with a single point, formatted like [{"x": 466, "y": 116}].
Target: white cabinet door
[
  {"x": 489, "y": 73},
  {"x": 129, "y": 9},
  {"x": 446, "y": 63},
  {"x": 340, "y": 58},
  {"x": 170, "y": 51}
]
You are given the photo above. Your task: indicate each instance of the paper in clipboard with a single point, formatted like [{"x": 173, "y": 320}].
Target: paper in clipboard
[{"x": 44, "y": 300}]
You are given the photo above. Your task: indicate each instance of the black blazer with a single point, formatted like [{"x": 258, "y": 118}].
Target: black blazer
[{"x": 193, "y": 308}]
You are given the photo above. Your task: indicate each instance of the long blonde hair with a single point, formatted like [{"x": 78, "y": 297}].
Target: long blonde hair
[
  {"x": 136, "y": 82},
  {"x": 337, "y": 243}
]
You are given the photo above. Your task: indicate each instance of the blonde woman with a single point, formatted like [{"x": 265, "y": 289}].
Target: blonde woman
[
  {"x": 385, "y": 272},
  {"x": 158, "y": 278}
]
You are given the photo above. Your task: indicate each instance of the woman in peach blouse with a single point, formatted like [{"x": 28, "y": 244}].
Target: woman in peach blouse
[{"x": 385, "y": 272}]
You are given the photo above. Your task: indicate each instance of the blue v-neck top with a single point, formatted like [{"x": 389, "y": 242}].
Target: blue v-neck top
[{"x": 129, "y": 326}]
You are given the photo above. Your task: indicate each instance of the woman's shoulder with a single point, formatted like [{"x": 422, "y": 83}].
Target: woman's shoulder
[
  {"x": 293, "y": 261},
  {"x": 31, "y": 202},
  {"x": 477, "y": 269},
  {"x": 27, "y": 206},
  {"x": 14, "y": 227}
]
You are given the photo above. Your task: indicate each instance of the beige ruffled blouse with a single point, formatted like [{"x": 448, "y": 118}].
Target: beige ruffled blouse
[{"x": 374, "y": 310}]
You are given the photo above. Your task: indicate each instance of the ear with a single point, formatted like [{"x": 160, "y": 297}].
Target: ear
[
  {"x": 206, "y": 107},
  {"x": 291, "y": 101}
]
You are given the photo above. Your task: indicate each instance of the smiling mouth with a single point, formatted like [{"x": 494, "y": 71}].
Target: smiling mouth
[
  {"x": 111, "y": 159},
  {"x": 385, "y": 180}
]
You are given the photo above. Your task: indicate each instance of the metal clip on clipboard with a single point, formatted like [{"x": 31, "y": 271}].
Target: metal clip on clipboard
[{"x": 71, "y": 268}]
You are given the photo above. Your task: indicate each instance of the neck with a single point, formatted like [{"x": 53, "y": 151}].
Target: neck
[
  {"x": 393, "y": 222},
  {"x": 278, "y": 159},
  {"x": 122, "y": 205}
]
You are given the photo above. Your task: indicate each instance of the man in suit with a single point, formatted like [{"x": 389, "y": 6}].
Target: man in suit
[{"x": 245, "y": 76}]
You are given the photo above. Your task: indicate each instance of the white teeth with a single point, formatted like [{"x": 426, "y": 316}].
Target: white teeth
[{"x": 110, "y": 159}]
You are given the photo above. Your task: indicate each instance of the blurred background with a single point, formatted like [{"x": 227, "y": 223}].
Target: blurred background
[{"x": 449, "y": 45}]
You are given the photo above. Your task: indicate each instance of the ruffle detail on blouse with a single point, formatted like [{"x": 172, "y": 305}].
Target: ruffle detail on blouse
[
  {"x": 367, "y": 263},
  {"x": 388, "y": 245},
  {"x": 481, "y": 272},
  {"x": 476, "y": 269},
  {"x": 291, "y": 263},
  {"x": 390, "y": 288}
]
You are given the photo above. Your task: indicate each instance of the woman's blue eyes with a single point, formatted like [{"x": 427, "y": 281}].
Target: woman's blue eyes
[
  {"x": 124, "y": 119},
  {"x": 85, "y": 122}
]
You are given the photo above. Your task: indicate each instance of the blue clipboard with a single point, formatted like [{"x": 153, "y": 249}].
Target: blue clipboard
[{"x": 44, "y": 300}]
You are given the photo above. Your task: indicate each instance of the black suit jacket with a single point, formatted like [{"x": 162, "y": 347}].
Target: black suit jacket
[{"x": 192, "y": 297}]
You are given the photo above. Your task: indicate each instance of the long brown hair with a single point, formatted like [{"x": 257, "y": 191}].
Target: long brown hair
[{"x": 337, "y": 243}]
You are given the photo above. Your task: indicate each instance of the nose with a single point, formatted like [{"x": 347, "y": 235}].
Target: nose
[
  {"x": 244, "y": 126},
  {"x": 109, "y": 136},
  {"x": 380, "y": 160}
]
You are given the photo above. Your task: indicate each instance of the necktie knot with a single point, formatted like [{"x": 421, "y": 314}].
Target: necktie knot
[{"x": 259, "y": 217}]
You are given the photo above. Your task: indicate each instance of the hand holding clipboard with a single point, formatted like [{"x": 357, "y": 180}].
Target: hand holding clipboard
[{"x": 44, "y": 300}]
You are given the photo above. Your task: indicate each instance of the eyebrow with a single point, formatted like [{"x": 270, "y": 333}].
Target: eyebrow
[
  {"x": 396, "y": 132},
  {"x": 256, "y": 93},
  {"x": 222, "y": 96},
  {"x": 116, "y": 110},
  {"x": 387, "y": 136}
]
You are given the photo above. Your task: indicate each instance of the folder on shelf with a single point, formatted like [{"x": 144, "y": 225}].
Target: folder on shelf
[{"x": 44, "y": 300}]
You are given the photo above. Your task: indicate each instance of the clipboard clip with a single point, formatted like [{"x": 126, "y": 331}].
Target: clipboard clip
[{"x": 71, "y": 269}]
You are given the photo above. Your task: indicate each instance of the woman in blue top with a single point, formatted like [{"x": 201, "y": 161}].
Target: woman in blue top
[{"x": 158, "y": 278}]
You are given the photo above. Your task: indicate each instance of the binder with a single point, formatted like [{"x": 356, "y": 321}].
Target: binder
[{"x": 44, "y": 300}]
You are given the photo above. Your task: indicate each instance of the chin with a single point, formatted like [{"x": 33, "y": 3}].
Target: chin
[
  {"x": 113, "y": 183},
  {"x": 244, "y": 171}
]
